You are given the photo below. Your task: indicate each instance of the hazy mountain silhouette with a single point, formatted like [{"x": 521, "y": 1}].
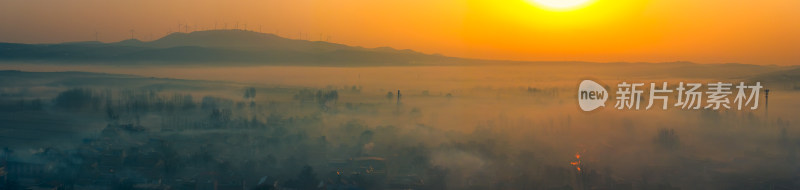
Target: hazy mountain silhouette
[
  {"x": 240, "y": 39},
  {"x": 219, "y": 46},
  {"x": 241, "y": 47},
  {"x": 789, "y": 78}
]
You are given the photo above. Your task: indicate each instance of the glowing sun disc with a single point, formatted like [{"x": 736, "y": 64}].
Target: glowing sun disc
[{"x": 561, "y": 4}]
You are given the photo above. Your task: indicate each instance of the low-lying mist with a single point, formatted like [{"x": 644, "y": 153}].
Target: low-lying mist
[{"x": 430, "y": 127}]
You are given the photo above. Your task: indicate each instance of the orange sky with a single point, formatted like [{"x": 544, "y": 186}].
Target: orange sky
[{"x": 710, "y": 31}]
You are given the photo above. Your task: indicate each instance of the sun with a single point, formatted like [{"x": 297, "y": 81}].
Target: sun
[{"x": 561, "y": 5}]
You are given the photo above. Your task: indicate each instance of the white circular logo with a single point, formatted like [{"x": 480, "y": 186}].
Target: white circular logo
[{"x": 591, "y": 95}]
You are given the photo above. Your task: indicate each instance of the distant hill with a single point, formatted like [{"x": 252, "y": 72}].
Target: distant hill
[
  {"x": 244, "y": 40},
  {"x": 788, "y": 79},
  {"x": 217, "y": 47},
  {"x": 241, "y": 47}
]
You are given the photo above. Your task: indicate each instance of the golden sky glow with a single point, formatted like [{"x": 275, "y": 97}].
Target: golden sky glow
[
  {"x": 561, "y": 5},
  {"x": 709, "y": 31}
]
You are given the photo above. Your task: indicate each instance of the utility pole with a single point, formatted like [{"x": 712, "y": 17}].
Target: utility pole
[
  {"x": 766, "y": 105},
  {"x": 398, "y": 97}
]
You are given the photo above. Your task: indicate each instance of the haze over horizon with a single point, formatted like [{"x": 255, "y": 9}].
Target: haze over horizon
[
  {"x": 400, "y": 94},
  {"x": 759, "y": 33}
]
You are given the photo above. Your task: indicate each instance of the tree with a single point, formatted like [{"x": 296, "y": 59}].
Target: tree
[
  {"x": 389, "y": 95},
  {"x": 305, "y": 95},
  {"x": 667, "y": 139},
  {"x": 110, "y": 114},
  {"x": 323, "y": 98},
  {"x": 74, "y": 99},
  {"x": 186, "y": 101},
  {"x": 220, "y": 117},
  {"x": 250, "y": 93}
]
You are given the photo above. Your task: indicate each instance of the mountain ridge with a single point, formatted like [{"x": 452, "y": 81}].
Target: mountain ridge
[
  {"x": 234, "y": 46},
  {"x": 242, "y": 47}
]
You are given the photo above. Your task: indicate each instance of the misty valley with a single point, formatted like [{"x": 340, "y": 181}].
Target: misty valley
[
  {"x": 238, "y": 109},
  {"x": 407, "y": 127}
]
